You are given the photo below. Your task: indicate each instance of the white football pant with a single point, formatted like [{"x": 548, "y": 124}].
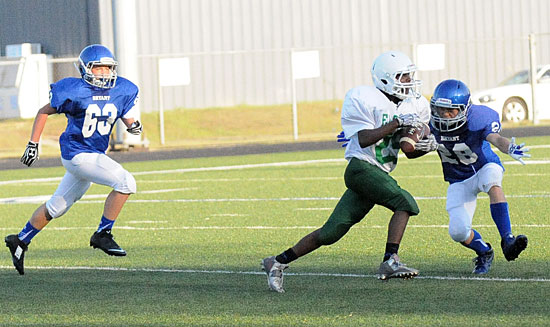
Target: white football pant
[
  {"x": 83, "y": 170},
  {"x": 462, "y": 198}
]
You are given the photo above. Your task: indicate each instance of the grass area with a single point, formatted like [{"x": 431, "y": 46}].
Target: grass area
[
  {"x": 198, "y": 127},
  {"x": 191, "y": 128},
  {"x": 195, "y": 240}
]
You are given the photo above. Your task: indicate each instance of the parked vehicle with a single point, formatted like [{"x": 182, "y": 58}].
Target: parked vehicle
[{"x": 512, "y": 98}]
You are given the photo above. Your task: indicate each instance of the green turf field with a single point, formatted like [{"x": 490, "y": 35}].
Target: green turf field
[{"x": 195, "y": 234}]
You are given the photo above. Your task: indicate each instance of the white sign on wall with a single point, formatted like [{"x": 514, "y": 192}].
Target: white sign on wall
[
  {"x": 430, "y": 56},
  {"x": 305, "y": 64},
  {"x": 174, "y": 71}
]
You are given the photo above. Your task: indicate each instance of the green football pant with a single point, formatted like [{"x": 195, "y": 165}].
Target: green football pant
[{"x": 367, "y": 185}]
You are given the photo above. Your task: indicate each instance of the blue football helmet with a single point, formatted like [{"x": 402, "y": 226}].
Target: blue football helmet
[
  {"x": 450, "y": 94},
  {"x": 97, "y": 55}
]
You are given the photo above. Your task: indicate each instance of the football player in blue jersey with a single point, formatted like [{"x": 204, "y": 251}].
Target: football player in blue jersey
[
  {"x": 462, "y": 134},
  {"x": 91, "y": 104}
]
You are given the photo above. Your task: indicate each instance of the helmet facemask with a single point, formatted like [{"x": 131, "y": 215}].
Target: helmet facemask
[
  {"x": 102, "y": 81},
  {"x": 407, "y": 89},
  {"x": 448, "y": 124}
]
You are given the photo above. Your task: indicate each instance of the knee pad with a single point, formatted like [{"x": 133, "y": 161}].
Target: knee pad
[
  {"x": 459, "y": 234},
  {"x": 127, "y": 185},
  {"x": 331, "y": 233},
  {"x": 56, "y": 206}
]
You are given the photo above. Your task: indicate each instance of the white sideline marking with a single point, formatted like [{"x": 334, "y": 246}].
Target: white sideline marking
[
  {"x": 43, "y": 198},
  {"x": 261, "y": 165},
  {"x": 86, "y": 199},
  {"x": 230, "y": 272}
]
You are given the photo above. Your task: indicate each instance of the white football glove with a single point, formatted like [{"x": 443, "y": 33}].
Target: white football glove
[
  {"x": 136, "y": 128},
  {"x": 517, "y": 151},
  {"x": 427, "y": 144},
  {"x": 31, "y": 153},
  {"x": 408, "y": 120}
]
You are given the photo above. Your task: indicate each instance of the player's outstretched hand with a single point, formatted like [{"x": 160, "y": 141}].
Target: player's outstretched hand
[
  {"x": 136, "y": 128},
  {"x": 342, "y": 139},
  {"x": 31, "y": 153},
  {"x": 427, "y": 144},
  {"x": 408, "y": 120},
  {"x": 518, "y": 151}
]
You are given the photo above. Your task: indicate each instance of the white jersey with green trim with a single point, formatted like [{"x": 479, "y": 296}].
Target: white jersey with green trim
[{"x": 366, "y": 107}]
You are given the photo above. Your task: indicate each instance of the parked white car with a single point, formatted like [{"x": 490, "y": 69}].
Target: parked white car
[{"x": 512, "y": 98}]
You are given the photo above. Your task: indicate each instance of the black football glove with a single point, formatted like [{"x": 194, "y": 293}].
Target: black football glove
[
  {"x": 136, "y": 128},
  {"x": 31, "y": 154}
]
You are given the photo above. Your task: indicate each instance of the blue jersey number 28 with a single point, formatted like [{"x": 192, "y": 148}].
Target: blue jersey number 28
[{"x": 461, "y": 152}]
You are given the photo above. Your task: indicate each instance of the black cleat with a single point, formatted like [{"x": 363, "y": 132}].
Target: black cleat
[
  {"x": 513, "y": 246},
  {"x": 104, "y": 241},
  {"x": 17, "y": 249},
  {"x": 483, "y": 262}
]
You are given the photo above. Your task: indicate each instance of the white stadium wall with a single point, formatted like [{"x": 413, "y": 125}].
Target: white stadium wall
[{"x": 239, "y": 50}]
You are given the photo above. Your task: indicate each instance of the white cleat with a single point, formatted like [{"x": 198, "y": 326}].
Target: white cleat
[
  {"x": 274, "y": 271},
  {"x": 393, "y": 268}
]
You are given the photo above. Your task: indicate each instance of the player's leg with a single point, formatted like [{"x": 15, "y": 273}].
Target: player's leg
[
  {"x": 350, "y": 210},
  {"x": 461, "y": 205},
  {"x": 372, "y": 183},
  {"x": 490, "y": 182},
  {"x": 100, "y": 169},
  {"x": 68, "y": 192}
]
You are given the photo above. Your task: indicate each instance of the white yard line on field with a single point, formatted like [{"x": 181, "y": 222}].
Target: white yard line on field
[
  {"x": 248, "y": 166},
  {"x": 305, "y": 274},
  {"x": 171, "y": 228},
  {"x": 88, "y": 198},
  {"x": 43, "y": 198}
]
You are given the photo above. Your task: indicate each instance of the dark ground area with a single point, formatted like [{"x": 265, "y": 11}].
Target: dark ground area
[{"x": 127, "y": 156}]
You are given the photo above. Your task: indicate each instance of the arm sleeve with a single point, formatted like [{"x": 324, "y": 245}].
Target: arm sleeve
[
  {"x": 492, "y": 123},
  {"x": 130, "y": 106},
  {"x": 356, "y": 116},
  {"x": 58, "y": 97},
  {"x": 424, "y": 111}
]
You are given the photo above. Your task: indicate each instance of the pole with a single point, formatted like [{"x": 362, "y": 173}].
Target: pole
[
  {"x": 533, "y": 77},
  {"x": 294, "y": 104},
  {"x": 161, "y": 106},
  {"x": 294, "y": 110},
  {"x": 126, "y": 53}
]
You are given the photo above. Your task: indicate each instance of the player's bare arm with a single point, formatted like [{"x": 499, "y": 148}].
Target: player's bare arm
[
  {"x": 499, "y": 141},
  {"x": 40, "y": 122},
  {"x": 368, "y": 137}
]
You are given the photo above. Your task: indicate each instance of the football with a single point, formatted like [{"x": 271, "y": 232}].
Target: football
[{"x": 409, "y": 136}]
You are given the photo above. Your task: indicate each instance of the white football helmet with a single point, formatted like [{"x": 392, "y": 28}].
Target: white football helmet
[{"x": 388, "y": 72}]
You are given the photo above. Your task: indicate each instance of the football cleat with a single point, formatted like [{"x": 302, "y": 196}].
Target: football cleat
[
  {"x": 274, "y": 271},
  {"x": 17, "y": 249},
  {"x": 104, "y": 241},
  {"x": 483, "y": 262},
  {"x": 512, "y": 246},
  {"x": 393, "y": 268}
]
